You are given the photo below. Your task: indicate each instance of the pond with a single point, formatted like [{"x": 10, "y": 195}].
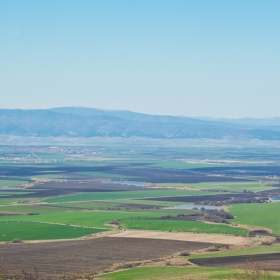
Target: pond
[
  {"x": 275, "y": 198},
  {"x": 5, "y": 188},
  {"x": 132, "y": 183},
  {"x": 206, "y": 207}
]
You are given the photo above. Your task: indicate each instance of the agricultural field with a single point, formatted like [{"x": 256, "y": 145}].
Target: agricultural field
[
  {"x": 121, "y": 195},
  {"x": 91, "y": 255},
  {"x": 22, "y": 230},
  {"x": 176, "y": 273},
  {"x": 86, "y": 195},
  {"x": 169, "y": 273},
  {"x": 240, "y": 252},
  {"x": 12, "y": 183},
  {"x": 259, "y": 215},
  {"x": 181, "y": 226},
  {"x": 225, "y": 186},
  {"x": 268, "y": 261}
]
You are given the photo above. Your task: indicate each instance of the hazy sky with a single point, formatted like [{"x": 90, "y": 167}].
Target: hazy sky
[{"x": 190, "y": 57}]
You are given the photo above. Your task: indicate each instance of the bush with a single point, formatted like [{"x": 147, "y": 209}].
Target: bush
[
  {"x": 113, "y": 222},
  {"x": 266, "y": 243},
  {"x": 16, "y": 241},
  {"x": 184, "y": 254},
  {"x": 213, "y": 249},
  {"x": 277, "y": 238}
]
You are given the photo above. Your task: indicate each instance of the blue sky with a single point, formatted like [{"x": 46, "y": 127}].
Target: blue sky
[{"x": 192, "y": 57}]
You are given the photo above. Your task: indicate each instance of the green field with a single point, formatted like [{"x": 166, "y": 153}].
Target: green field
[
  {"x": 121, "y": 195},
  {"x": 100, "y": 218},
  {"x": 55, "y": 212},
  {"x": 12, "y": 183},
  {"x": 18, "y": 200},
  {"x": 7, "y": 192},
  {"x": 34, "y": 208},
  {"x": 119, "y": 204},
  {"x": 150, "y": 202},
  {"x": 227, "y": 186},
  {"x": 129, "y": 220},
  {"x": 85, "y": 218},
  {"x": 181, "y": 226},
  {"x": 175, "y": 273},
  {"x": 41, "y": 231},
  {"x": 258, "y": 214}
]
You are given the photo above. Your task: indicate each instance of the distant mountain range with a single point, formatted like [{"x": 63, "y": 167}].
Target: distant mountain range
[{"x": 87, "y": 122}]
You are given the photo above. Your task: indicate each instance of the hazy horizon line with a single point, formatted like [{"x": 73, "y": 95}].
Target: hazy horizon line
[{"x": 143, "y": 113}]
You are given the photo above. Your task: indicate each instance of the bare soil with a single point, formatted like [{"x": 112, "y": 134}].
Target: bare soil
[
  {"x": 55, "y": 258},
  {"x": 190, "y": 237},
  {"x": 267, "y": 261}
]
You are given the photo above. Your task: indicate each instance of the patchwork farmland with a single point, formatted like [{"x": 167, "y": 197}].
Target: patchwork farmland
[{"x": 138, "y": 210}]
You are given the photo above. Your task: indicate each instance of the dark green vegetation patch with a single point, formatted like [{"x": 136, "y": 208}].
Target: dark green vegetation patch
[{"x": 41, "y": 231}]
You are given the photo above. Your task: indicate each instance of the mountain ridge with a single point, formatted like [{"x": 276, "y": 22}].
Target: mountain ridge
[{"x": 89, "y": 122}]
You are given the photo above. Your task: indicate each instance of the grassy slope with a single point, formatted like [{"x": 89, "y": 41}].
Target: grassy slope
[
  {"x": 258, "y": 214},
  {"x": 41, "y": 231},
  {"x": 157, "y": 273},
  {"x": 182, "y": 226},
  {"x": 83, "y": 218},
  {"x": 130, "y": 220}
]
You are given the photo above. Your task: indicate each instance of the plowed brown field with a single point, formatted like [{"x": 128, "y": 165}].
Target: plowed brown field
[
  {"x": 54, "y": 258},
  {"x": 267, "y": 261}
]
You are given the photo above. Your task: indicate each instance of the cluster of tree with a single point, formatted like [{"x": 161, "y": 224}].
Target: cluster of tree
[
  {"x": 234, "y": 200},
  {"x": 214, "y": 216},
  {"x": 217, "y": 216}
]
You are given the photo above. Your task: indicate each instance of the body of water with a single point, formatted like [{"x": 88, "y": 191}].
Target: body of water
[
  {"x": 207, "y": 207},
  {"x": 275, "y": 198},
  {"x": 4, "y": 188},
  {"x": 132, "y": 183}
]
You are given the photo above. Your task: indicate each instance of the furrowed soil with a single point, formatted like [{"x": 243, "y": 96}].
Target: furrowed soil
[
  {"x": 191, "y": 237},
  {"x": 56, "y": 258},
  {"x": 266, "y": 261}
]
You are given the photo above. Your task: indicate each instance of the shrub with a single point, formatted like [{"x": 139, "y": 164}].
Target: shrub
[
  {"x": 213, "y": 249},
  {"x": 113, "y": 222},
  {"x": 266, "y": 243},
  {"x": 16, "y": 241},
  {"x": 184, "y": 254}
]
